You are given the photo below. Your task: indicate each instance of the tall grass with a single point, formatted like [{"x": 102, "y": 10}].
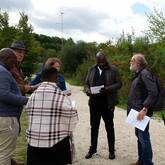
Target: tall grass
[{"x": 20, "y": 153}]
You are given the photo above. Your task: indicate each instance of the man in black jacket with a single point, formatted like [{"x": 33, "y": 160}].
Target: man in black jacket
[
  {"x": 142, "y": 95},
  {"x": 102, "y": 103}
]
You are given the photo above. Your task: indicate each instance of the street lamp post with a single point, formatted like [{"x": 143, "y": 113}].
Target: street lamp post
[{"x": 62, "y": 42}]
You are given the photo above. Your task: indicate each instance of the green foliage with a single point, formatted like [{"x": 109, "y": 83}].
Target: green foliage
[
  {"x": 49, "y": 42},
  {"x": 20, "y": 153},
  {"x": 141, "y": 44},
  {"x": 7, "y": 33},
  {"x": 73, "y": 55},
  {"x": 124, "y": 44},
  {"x": 156, "y": 62},
  {"x": 25, "y": 29},
  {"x": 82, "y": 70},
  {"x": 34, "y": 49},
  {"x": 4, "y": 19},
  {"x": 22, "y": 31},
  {"x": 156, "y": 27}
]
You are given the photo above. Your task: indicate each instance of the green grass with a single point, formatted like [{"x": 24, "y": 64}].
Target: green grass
[{"x": 20, "y": 153}]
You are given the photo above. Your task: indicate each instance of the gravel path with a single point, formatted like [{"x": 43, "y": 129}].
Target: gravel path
[{"x": 126, "y": 150}]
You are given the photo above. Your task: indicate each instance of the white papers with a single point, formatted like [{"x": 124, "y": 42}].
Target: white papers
[
  {"x": 73, "y": 103},
  {"x": 96, "y": 89},
  {"x": 132, "y": 119}
]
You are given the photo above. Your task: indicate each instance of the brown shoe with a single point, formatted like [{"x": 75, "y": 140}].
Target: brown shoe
[{"x": 136, "y": 163}]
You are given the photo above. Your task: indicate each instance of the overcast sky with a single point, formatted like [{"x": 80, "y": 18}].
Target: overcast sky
[{"x": 88, "y": 20}]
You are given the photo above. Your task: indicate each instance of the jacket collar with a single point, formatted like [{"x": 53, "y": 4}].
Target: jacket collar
[{"x": 136, "y": 74}]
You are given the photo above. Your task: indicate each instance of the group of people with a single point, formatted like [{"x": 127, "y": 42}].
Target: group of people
[
  {"x": 52, "y": 116},
  {"x": 142, "y": 95}
]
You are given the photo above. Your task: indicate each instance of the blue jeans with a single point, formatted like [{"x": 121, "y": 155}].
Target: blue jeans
[{"x": 144, "y": 146}]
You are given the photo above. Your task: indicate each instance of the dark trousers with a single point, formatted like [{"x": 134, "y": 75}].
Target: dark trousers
[
  {"x": 98, "y": 110},
  {"x": 144, "y": 146},
  {"x": 59, "y": 154}
]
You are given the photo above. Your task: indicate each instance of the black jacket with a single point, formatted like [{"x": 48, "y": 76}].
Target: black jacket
[
  {"x": 112, "y": 83},
  {"x": 143, "y": 91}
]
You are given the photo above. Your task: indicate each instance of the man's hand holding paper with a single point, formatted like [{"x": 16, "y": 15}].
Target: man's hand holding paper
[
  {"x": 132, "y": 119},
  {"x": 96, "y": 89}
]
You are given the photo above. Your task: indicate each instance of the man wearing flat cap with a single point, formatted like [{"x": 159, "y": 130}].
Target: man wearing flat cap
[
  {"x": 20, "y": 51},
  {"x": 102, "y": 103}
]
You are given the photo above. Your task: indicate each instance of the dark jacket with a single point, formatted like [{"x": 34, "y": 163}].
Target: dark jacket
[
  {"x": 11, "y": 100},
  {"x": 143, "y": 91},
  {"x": 112, "y": 83},
  {"x": 61, "y": 81}
]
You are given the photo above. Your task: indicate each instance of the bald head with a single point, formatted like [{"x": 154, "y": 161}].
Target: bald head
[
  {"x": 101, "y": 60},
  {"x": 138, "y": 62}
]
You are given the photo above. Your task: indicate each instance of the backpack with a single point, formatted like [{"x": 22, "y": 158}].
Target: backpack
[{"x": 159, "y": 104}]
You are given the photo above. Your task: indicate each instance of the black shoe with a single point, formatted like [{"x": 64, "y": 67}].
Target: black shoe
[
  {"x": 90, "y": 153},
  {"x": 111, "y": 156}
]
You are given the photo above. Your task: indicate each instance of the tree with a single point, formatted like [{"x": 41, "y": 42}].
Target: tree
[
  {"x": 73, "y": 55},
  {"x": 141, "y": 44},
  {"x": 33, "y": 48},
  {"x": 125, "y": 43},
  {"x": 156, "y": 27},
  {"x": 7, "y": 33}
]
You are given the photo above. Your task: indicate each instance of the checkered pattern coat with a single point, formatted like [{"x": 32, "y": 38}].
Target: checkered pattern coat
[{"x": 51, "y": 117}]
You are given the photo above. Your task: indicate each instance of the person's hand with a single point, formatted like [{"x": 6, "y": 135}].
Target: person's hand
[
  {"x": 34, "y": 87},
  {"x": 31, "y": 88},
  {"x": 28, "y": 88},
  {"x": 142, "y": 114},
  {"x": 88, "y": 93},
  {"x": 102, "y": 90}
]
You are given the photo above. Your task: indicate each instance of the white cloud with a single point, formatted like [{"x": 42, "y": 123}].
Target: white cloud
[{"x": 92, "y": 20}]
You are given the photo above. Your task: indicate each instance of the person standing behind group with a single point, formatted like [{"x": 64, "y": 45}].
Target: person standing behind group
[
  {"x": 103, "y": 103},
  {"x": 143, "y": 93},
  {"x": 51, "y": 120},
  {"x": 20, "y": 51},
  {"x": 11, "y": 102},
  {"x": 55, "y": 63}
]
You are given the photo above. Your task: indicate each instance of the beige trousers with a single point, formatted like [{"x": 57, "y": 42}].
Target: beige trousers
[{"x": 9, "y": 129}]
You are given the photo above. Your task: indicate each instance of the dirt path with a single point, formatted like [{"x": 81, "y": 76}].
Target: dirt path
[{"x": 126, "y": 150}]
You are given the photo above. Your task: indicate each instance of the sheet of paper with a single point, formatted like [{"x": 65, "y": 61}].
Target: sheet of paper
[
  {"x": 96, "y": 89},
  {"x": 132, "y": 119},
  {"x": 73, "y": 103}
]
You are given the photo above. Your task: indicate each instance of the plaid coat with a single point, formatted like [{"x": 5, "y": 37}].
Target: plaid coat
[{"x": 51, "y": 116}]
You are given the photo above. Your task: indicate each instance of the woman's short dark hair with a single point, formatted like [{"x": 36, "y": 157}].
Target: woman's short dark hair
[
  {"x": 8, "y": 58},
  {"x": 49, "y": 74}
]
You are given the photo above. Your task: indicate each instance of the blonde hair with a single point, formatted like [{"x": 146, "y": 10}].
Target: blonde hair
[{"x": 51, "y": 61}]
